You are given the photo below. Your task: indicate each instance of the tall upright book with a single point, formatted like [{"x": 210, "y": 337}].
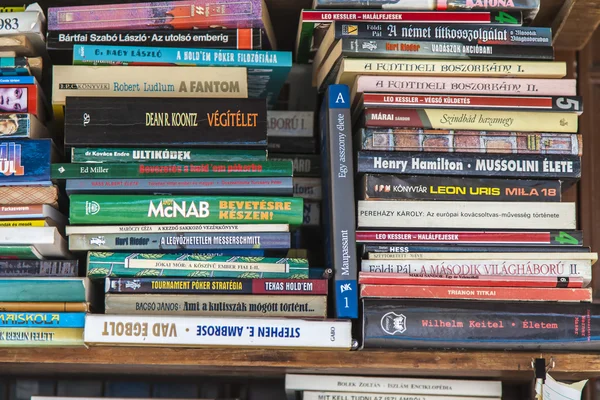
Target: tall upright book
[{"x": 338, "y": 194}]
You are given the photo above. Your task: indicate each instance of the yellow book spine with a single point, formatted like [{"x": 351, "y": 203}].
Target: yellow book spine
[
  {"x": 43, "y": 307},
  {"x": 25, "y": 223},
  {"x": 41, "y": 337}
]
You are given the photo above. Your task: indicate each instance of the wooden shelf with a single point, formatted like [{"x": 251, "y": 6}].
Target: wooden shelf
[{"x": 258, "y": 362}]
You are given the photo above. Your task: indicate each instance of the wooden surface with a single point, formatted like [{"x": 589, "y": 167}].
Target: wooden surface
[{"x": 191, "y": 362}]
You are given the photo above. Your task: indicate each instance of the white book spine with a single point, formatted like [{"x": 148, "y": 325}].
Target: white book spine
[
  {"x": 309, "y": 395},
  {"x": 466, "y": 215},
  {"x": 221, "y": 331},
  {"x": 467, "y": 267},
  {"x": 364, "y": 384},
  {"x": 175, "y": 228},
  {"x": 18, "y": 23},
  {"x": 34, "y": 235},
  {"x": 291, "y": 123}
]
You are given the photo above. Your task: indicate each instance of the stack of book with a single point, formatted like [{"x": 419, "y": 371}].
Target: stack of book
[
  {"x": 329, "y": 387},
  {"x": 171, "y": 193},
  {"x": 42, "y": 301},
  {"x": 460, "y": 169}
]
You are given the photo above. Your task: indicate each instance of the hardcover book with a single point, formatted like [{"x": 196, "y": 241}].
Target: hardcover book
[
  {"x": 98, "y": 121},
  {"x": 267, "y": 70}
]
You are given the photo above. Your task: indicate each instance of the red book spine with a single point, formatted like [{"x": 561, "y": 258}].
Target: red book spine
[
  {"x": 375, "y": 278},
  {"x": 463, "y": 17},
  {"x": 289, "y": 286},
  {"x": 471, "y": 293},
  {"x": 454, "y": 237},
  {"x": 25, "y": 97}
]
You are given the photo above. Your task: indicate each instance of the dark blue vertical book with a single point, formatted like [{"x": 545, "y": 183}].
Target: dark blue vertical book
[
  {"x": 25, "y": 162},
  {"x": 338, "y": 198}
]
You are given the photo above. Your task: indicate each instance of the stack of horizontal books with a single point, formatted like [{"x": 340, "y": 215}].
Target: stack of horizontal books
[
  {"x": 171, "y": 194},
  {"x": 42, "y": 299}
]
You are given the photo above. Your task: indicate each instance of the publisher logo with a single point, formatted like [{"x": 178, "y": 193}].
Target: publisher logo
[
  {"x": 84, "y": 86},
  {"x": 92, "y": 208},
  {"x": 350, "y": 30},
  {"x": 393, "y": 323},
  {"x": 383, "y": 188},
  {"x": 86, "y": 119}
]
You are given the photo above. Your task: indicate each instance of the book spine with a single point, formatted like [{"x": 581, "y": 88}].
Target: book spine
[
  {"x": 17, "y": 23},
  {"x": 217, "y": 286},
  {"x": 527, "y": 268},
  {"x": 95, "y": 121},
  {"x": 213, "y": 186},
  {"x": 56, "y": 290},
  {"x": 25, "y": 162},
  {"x": 320, "y": 395},
  {"x": 41, "y": 337},
  {"x": 539, "y": 238},
  {"x": 28, "y": 98},
  {"x": 400, "y": 187},
  {"x": 390, "y": 251},
  {"x": 142, "y": 209},
  {"x": 185, "y": 14},
  {"x": 291, "y": 123},
  {"x": 526, "y": 326},
  {"x": 338, "y": 182},
  {"x": 466, "y": 34},
  {"x": 174, "y": 228},
  {"x": 454, "y": 5},
  {"x": 16, "y": 268},
  {"x": 267, "y": 70},
  {"x": 480, "y": 293},
  {"x": 307, "y": 188},
  {"x": 514, "y": 103},
  {"x": 312, "y": 214},
  {"x": 28, "y": 195},
  {"x": 26, "y": 211},
  {"x": 22, "y": 252},
  {"x": 287, "y": 144},
  {"x": 466, "y": 215},
  {"x": 125, "y": 265},
  {"x": 242, "y": 39},
  {"x": 207, "y": 331},
  {"x": 140, "y": 154},
  {"x": 470, "y": 281},
  {"x": 471, "y": 120},
  {"x": 12, "y": 9},
  {"x": 443, "y": 141},
  {"x": 385, "y": 48},
  {"x": 303, "y": 164},
  {"x": 392, "y": 385},
  {"x": 215, "y": 305},
  {"x": 27, "y": 223},
  {"x": 45, "y": 320},
  {"x": 470, "y": 165},
  {"x": 487, "y": 255},
  {"x": 242, "y": 169},
  {"x": 180, "y": 241},
  {"x": 145, "y": 81},
  {"x": 31, "y": 306},
  {"x": 456, "y": 85}
]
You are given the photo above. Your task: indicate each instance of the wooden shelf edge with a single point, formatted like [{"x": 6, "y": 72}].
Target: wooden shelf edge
[{"x": 268, "y": 362}]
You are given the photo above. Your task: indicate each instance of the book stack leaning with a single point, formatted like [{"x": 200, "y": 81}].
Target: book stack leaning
[
  {"x": 171, "y": 193},
  {"x": 466, "y": 139},
  {"x": 42, "y": 300}
]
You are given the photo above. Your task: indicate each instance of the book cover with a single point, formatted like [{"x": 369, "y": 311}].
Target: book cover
[
  {"x": 215, "y": 331},
  {"x": 338, "y": 185},
  {"x": 25, "y": 162}
]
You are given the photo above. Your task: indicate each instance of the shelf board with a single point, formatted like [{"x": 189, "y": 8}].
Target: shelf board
[{"x": 268, "y": 362}]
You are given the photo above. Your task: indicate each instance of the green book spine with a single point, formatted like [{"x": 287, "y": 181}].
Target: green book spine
[
  {"x": 42, "y": 290},
  {"x": 172, "y": 170},
  {"x": 20, "y": 253},
  {"x": 139, "y": 155},
  {"x": 125, "y": 265},
  {"x": 152, "y": 209}
]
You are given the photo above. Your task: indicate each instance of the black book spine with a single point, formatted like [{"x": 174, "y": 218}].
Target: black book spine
[
  {"x": 466, "y": 34},
  {"x": 202, "y": 38},
  {"x": 304, "y": 164},
  {"x": 399, "y": 187},
  {"x": 96, "y": 121},
  {"x": 470, "y": 164},
  {"x": 474, "y": 325},
  {"x": 409, "y": 248},
  {"x": 23, "y": 268},
  {"x": 284, "y": 144},
  {"x": 385, "y": 48}
]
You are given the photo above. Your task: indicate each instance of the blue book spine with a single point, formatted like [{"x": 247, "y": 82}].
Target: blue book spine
[
  {"x": 25, "y": 162},
  {"x": 267, "y": 70},
  {"x": 338, "y": 198},
  {"x": 43, "y": 289},
  {"x": 42, "y": 320},
  {"x": 17, "y": 80}
]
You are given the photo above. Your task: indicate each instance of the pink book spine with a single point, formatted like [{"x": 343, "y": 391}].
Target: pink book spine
[{"x": 480, "y": 86}]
